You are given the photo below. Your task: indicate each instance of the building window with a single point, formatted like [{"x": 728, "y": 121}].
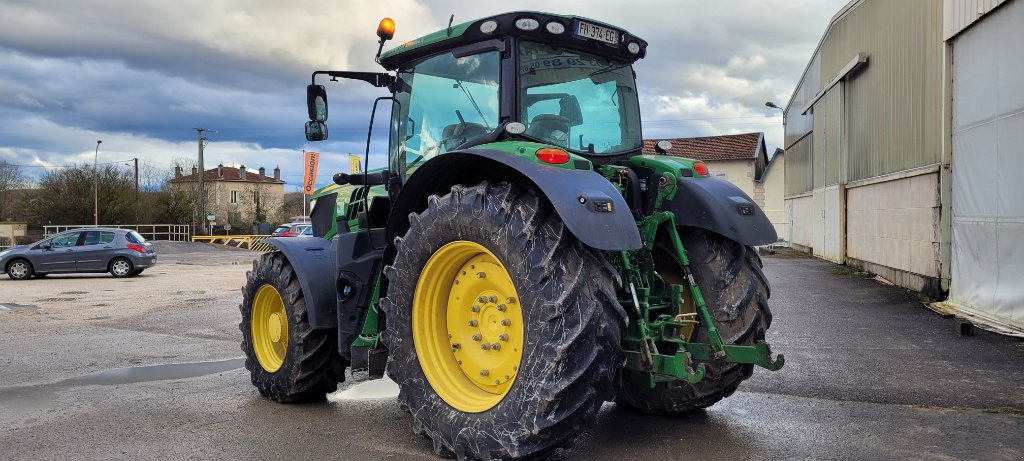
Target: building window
[{"x": 234, "y": 196}]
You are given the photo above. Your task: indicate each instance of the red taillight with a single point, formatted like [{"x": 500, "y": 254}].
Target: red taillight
[
  {"x": 135, "y": 247},
  {"x": 552, "y": 156},
  {"x": 700, "y": 168},
  {"x": 286, "y": 234}
]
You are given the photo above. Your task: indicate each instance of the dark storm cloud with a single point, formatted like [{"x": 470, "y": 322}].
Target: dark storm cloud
[{"x": 140, "y": 75}]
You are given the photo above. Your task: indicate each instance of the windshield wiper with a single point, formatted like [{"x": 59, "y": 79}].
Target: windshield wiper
[{"x": 473, "y": 101}]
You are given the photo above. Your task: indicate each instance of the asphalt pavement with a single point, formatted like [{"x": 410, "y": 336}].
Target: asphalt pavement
[{"x": 870, "y": 374}]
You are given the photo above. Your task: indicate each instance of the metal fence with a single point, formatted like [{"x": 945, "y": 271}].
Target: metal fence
[{"x": 175, "y": 232}]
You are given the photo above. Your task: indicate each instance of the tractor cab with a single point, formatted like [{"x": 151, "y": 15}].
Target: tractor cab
[{"x": 563, "y": 81}]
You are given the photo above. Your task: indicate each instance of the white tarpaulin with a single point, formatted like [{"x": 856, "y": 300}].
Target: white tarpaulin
[{"x": 988, "y": 169}]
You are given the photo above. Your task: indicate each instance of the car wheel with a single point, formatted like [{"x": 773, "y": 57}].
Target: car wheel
[
  {"x": 121, "y": 267},
  {"x": 19, "y": 269}
]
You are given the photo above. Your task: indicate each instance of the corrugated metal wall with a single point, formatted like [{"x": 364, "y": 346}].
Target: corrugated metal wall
[
  {"x": 900, "y": 90},
  {"x": 958, "y": 14},
  {"x": 798, "y": 167},
  {"x": 893, "y": 105}
]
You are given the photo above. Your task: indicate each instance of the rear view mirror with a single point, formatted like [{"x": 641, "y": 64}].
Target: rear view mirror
[
  {"x": 316, "y": 131},
  {"x": 316, "y": 103}
]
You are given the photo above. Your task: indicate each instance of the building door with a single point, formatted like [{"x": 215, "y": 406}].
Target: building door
[
  {"x": 829, "y": 199},
  {"x": 987, "y": 257}
]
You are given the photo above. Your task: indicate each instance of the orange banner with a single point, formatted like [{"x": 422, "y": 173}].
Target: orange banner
[{"x": 309, "y": 172}]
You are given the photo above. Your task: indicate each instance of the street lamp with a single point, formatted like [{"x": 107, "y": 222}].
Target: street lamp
[
  {"x": 96, "y": 187},
  {"x": 773, "y": 106}
]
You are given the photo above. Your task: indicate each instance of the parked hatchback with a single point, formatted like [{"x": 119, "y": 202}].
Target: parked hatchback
[{"x": 122, "y": 252}]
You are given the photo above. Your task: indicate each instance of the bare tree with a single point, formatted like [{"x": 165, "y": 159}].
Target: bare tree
[
  {"x": 11, "y": 179},
  {"x": 64, "y": 196}
]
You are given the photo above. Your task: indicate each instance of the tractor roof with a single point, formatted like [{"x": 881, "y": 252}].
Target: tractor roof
[{"x": 506, "y": 25}]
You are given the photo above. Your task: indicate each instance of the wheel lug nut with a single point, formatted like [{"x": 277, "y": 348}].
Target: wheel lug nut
[
  {"x": 484, "y": 373},
  {"x": 456, "y": 346},
  {"x": 506, "y": 322},
  {"x": 481, "y": 275},
  {"x": 481, "y": 299},
  {"x": 493, "y": 299},
  {"x": 474, "y": 308},
  {"x": 503, "y": 337},
  {"x": 501, "y": 307},
  {"x": 472, "y": 323},
  {"x": 477, "y": 337},
  {"x": 485, "y": 346},
  {"x": 496, "y": 346},
  {"x": 510, "y": 300},
  {"x": 506, "y": 377}
]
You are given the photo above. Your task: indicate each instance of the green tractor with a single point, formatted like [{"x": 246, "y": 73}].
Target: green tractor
[{"x": 520, "y": 260}]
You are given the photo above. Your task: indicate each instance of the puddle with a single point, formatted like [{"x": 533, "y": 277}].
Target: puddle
[
  {"x": 56, "y": 300},
  {"x": 74, "y": 292},
  {"x": 40, "y": 396},
  {"x": 11, "y": 307},
  {"x": 186, "y": 292},
  {"x": 377, "y": 389}
]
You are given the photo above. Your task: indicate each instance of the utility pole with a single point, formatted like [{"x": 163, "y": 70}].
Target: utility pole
[
  {"x": 96, "y": 187},
  {"x": 136, "y": 190},
  {"x": 202, "y": 185}
]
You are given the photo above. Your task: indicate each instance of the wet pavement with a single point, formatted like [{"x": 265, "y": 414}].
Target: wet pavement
[{"x": 870, "y": 374}]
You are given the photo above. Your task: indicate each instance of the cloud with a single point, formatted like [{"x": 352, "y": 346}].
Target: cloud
[{"x": 141, "y": 75}]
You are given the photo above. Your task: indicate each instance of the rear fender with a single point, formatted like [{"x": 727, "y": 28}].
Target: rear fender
[
  {"x": 719, "y": 206},
  {"x": 311, "y": 260},
  {"x": 590, "y": 206}
]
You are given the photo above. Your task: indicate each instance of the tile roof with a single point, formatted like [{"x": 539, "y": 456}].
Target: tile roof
[
  {"x": 727, "y": 147},
  {"x": 230, "y": 174}
]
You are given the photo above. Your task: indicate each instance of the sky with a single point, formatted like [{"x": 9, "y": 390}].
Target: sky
[{"x": 141, "y": 75}]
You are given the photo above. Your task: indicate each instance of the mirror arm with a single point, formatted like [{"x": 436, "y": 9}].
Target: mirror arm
[{"x": 377, "y": 79}]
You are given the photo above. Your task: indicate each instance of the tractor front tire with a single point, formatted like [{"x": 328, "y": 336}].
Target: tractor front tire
[
  {"x": 288, "y": 361},
  {"x": 504, "y": 330},
  {"x": 736, "y": 293}
]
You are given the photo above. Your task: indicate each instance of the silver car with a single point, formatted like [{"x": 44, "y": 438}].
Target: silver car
[{"x": 122, "y": 252}]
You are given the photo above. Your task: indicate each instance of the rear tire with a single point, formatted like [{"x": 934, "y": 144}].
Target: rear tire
[
  {"x": 121, "y": 267},
  {"x": 304, "y": 365},
  {"x": 572, "y": 325},
  {"x": 736, "y": 293},
  {"x": 19, "y": 269}
]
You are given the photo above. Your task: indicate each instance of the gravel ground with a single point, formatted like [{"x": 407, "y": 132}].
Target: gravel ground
[{"x": 93, "y": 367}]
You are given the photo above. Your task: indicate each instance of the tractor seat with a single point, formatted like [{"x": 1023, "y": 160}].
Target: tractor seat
[
  {"x": 550, "y": 127},
  {"x": 456, "y": 134}
]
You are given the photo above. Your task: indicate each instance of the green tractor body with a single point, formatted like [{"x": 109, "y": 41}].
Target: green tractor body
[{"x": 519, "y": 260}]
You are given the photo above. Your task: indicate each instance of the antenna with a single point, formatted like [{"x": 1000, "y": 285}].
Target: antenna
[{"x": 450, "y": 20}]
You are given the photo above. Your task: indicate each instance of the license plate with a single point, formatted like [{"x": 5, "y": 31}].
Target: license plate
[{"x": 596, "y": 32}]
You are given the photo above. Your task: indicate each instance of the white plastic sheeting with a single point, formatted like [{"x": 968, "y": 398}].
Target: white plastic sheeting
[{"x": 988, "y": 169}]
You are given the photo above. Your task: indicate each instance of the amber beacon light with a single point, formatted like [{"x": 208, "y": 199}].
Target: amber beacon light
[{"x": 386, "y": 29}]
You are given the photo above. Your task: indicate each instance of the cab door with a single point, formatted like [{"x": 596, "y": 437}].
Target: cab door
[{"x": 57, "y": 255}]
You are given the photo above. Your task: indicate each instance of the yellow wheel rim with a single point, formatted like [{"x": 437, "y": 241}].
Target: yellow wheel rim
[
  {"x": 269, "y": 328},
  {"x": 467, "y": 326}
]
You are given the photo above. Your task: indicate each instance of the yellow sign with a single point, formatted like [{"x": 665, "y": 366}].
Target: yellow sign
[
  {"x": 353, "y": 163},
  {"x": 309, "y": 172}
]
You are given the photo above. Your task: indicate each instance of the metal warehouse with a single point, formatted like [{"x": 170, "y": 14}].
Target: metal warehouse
[{"x": 902, "y": 140}]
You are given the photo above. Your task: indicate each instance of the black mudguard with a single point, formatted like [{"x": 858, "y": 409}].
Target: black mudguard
[
  {"x": 719, "y": 206},
  {"x": 313, "y": 265},
  {"x": 590, "y": 206},
  {"x": 357, "y": 255}
]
